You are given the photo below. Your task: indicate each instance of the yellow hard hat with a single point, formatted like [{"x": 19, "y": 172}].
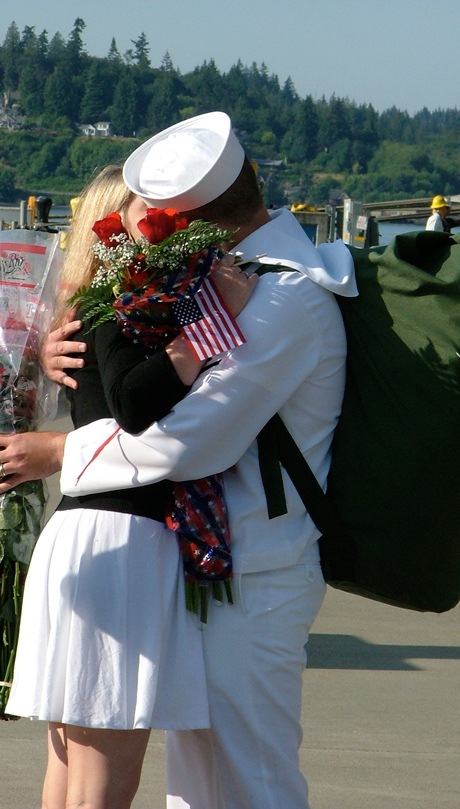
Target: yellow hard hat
[{"x": 438, "y": 202}]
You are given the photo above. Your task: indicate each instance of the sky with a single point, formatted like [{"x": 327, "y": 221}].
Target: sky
[{"x": 387, "y": 53}]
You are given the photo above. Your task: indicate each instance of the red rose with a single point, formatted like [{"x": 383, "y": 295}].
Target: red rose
[
  {"x": 108, "y": 227},
  {"x": 133, "y": 282},
  {"x": 158, "y": 224}
]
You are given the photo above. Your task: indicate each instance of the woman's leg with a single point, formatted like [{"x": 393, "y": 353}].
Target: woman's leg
[
  {"x": 104, "y": 767},
  {"x": 55, "y": 785}
]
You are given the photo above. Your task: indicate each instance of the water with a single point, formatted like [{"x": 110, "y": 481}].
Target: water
[{"x": 388, "y": 230}]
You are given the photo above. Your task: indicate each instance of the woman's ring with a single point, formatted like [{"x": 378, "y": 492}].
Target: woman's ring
[{"x": 2, "y": 471}]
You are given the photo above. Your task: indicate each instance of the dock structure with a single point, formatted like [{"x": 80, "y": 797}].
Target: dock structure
[
  {"x": 348, "y": 221},
  {"x": 353, "y": 221},
  {"x": 394, "y": 210},
  {"x": 357, "y": 222},
  {"x": 35, "y": 213}
]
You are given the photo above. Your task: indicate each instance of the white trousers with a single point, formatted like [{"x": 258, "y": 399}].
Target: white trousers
[{"x": 254, "y": 660}]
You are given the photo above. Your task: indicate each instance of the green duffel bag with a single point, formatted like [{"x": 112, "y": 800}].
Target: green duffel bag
[{"x": 391, "y": 517}]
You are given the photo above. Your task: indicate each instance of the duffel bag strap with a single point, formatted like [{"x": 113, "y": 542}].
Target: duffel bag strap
[{"x": 277, "y": 448}]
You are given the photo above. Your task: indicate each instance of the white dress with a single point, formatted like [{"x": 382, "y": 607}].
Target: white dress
[{"x": 108, "y": 642}]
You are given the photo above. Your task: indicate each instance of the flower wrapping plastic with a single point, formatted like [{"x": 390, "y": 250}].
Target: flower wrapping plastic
[{"x": 29, "y": 264}]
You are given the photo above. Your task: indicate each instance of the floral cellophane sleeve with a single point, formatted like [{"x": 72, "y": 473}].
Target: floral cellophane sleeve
[{"x": 29, "y": 267}]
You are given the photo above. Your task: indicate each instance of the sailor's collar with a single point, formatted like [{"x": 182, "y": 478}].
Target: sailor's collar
[{"x": 285, "y": 244}]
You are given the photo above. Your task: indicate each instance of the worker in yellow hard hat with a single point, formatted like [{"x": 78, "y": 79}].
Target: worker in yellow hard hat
[{"x": 437, "y": 221}]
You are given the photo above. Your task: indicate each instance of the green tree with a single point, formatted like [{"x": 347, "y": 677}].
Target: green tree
[
  {"x": 300, "y": 143},
  {"x": 207, "y": 86},
  {"x": 43, "y": 45},
  {"x": 164, "y": 102},
  {"x": 288, "y": 93},
  {"x": 166, "y": 63},
  {"x": 33, "y": 75},
  {"x": 114, "y": 54},
  {"x": 11, "y": 58},
  {"x": 56, "y": 50},
  {"x": 98, "y": 92},
  {"x": 44, "y": 163},
  {"x": 396, "y": 125},
  {"x": 334, "y": 123},
  {"x": 123, "y": 111},
  {"x": 141, "y": 52},
  {"x": 87, "y": 155},
  {"x": 59, "y": 98},
  {"x": 74, "y": 49}
]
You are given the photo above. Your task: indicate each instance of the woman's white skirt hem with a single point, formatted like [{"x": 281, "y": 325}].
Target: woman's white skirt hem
[{"x": 105, "y": 638}]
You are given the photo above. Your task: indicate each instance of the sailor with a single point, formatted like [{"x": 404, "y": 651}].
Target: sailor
[{"x": 293, "y": 362}]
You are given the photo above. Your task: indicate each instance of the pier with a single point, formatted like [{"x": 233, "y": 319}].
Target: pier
[
  {"x": 353, "y": 221},
  {"x": 394, "y": 210},
  {"x": 357, "y": 222}
]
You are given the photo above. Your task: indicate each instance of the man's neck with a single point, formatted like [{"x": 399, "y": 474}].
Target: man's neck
[{"x": 261, "y": 218}]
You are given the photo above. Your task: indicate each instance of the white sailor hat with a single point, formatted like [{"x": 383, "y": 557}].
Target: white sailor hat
[{"x": 188, "y": 164}]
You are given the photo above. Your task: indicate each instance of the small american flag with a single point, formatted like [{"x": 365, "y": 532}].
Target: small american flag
[{"x": 215, "y": 330}]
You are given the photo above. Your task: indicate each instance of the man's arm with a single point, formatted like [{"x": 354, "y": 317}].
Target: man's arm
[{"x": 285, "y": 323}]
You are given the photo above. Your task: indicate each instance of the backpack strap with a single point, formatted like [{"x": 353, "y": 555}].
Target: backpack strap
[{"x": 277, "y": 448}]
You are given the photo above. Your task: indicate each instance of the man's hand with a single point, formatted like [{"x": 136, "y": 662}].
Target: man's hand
[
  {"x": 29, "y": 456},
  {"x": 54, "y": 357}
]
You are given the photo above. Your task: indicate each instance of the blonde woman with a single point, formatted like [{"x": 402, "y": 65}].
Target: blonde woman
[{"x": 107, "y": 649}]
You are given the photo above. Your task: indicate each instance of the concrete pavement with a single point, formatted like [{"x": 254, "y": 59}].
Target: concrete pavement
[{"x": 381, "y": 714}]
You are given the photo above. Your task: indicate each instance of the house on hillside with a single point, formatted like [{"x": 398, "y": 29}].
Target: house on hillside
[
  {"x": 101, "y": 129},
  {"x": 11, "y": 119}
]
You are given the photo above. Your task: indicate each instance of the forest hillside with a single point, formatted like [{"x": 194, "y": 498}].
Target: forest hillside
[{"x": 65, "y": 114}]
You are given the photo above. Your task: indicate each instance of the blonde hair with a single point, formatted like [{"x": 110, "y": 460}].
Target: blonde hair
[{"x": 105, "y": 194}]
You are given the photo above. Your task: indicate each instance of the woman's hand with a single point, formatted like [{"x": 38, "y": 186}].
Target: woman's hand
[
  {"x": 56, "y": 347},
  {"x": 29, "y": 456},
  {"x": 235, "y": 286}
]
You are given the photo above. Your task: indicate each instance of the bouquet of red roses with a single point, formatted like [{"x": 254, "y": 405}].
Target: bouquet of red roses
[
  {"x": 161, "y": 284},
  {"x": 157, "y": 287}
]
